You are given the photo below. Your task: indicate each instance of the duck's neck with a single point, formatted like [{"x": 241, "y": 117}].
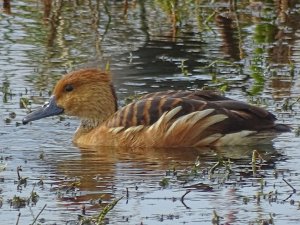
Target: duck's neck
[
  {"x": 89, "y": 124},
  {"x": 86, "y": 126},
  {"x": 102, "y": 108}
]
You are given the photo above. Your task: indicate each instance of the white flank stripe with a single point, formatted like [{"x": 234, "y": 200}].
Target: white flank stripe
[
  {"x": 134, "y": 129},
  {"x": 194, "y": 117},
  {"x": 208, "y": 140},
  {"x": 239, "y": 138},
  {"x": 165, "y": 117},
  {"x": 115, "y": 130}
]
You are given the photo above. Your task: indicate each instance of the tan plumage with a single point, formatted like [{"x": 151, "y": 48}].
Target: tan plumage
[{"x": 161, "y": 119}]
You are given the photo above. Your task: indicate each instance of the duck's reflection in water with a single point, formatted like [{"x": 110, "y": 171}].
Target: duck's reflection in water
[{"x": 110, "y": 172}]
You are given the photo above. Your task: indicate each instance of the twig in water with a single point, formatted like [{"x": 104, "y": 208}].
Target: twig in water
[
  {"x": 83, "y": 212},
  {"x": 182, "y": 199},
  {"x": 127, "y": 193},
  {"x": 288, "y": 197},
  {"x": 294, "y": 190},
  {"x": 19, "y": 215},
  {"x": 39, "y": 214},
  {"x": 19, "y": 168}
]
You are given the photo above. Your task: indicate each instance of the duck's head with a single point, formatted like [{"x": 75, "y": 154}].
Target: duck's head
[{"x": 87, "y": 94}]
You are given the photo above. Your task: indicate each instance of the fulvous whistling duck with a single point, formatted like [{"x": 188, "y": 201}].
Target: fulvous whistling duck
[{"x": 160, "y": 119}]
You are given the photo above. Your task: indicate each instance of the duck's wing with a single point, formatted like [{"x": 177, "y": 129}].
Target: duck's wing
[
  {"x": 239, "y": 115},
  {"x": 203, "y": 95}
]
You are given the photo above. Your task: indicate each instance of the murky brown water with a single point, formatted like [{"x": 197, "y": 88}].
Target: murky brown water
[{"x": 249, "y": 50}]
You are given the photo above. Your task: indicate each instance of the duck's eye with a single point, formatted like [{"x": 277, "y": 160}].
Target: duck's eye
[{"x": 69, "y": 87}]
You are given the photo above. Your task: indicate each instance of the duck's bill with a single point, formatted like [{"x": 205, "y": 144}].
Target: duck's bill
[{"x": 49, "y": 109}]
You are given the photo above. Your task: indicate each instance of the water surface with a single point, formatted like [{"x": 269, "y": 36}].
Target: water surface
[{"x": 250, "y": 51}]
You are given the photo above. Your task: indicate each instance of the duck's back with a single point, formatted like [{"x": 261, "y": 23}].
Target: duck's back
[
  {"x": 189, "y": 118},
  {"x": 149, "y": 108}
]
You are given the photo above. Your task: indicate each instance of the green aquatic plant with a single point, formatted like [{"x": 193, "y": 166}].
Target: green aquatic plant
[
  {"x": 195, "y": 168},
  {"x": 265, "y": 33},
  {"x": 217, "y": 62},
  {"x": 246, "y": 200},
  {"x": 132, "y": 98},
  {"x": 18, "y": 202},
  {"x": 24, "y": 103},
  {"x": 42, "y": 156},
  {"x": 169, "y": 6},
  {"x": 5, "y": 89},
  {"x": 258, "y": 68},
  {"x": 34, "y": 197},
  {"x": 164, "y": 182},
  {"x": 292, "y": 69},
  {"x": 183, "y": 68},
  {"x": 288, "y": 104},
  {"x": 222, "y": 163},
  {"x": 12, "y": 115},
  {"x": 7, "y": 120},
  {"x": 21, "y": 180},
  {"x": 256, "y": 156},
  {"x": 297, "y": 131},
  {"x": 2, "y": 166},
  {"x": 107, "y": 66},
  {"x": 221, "y": 83},
  {"x": 216, "y": 218},
  {"x": 109, "y": 207},
  {"x": 190, "y": 173},
  {"x": 100, "y": 218}
]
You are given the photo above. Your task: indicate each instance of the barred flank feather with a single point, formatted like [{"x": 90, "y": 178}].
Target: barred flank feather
[
  {"x": 195, "y": 129},
  {"x": 187, "y": 130}
]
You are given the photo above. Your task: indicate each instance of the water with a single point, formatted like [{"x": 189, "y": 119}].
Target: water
[{"x": 150, "y": 46}]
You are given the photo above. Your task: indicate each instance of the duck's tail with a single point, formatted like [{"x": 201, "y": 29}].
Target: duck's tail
[{"x": 282, "y": 128}]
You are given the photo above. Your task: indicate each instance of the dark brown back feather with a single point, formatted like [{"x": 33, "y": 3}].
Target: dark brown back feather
[
  {"x": 149, "y": 108},
  {"x": 204, "y": 95}
]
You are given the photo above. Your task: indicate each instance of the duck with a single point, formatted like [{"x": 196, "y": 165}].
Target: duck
[{"x": 175, "y": 118}]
